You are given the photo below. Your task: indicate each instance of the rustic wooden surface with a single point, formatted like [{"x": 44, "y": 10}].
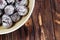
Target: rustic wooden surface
[{"x": 44, "y": 24}]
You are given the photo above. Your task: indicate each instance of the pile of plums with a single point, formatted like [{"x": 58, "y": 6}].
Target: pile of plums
[{"x": 11, "y": 11}]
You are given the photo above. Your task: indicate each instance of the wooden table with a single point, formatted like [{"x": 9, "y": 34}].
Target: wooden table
[{"x": 44, "y": 24}]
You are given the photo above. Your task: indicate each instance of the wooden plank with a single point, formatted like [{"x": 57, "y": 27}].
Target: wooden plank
[
  {"x": 0, "y": 37},
  {"x": 23, "y": 33},
  {"x": 35, "y": 19},
  {"x": 3, "y": 37},
  {"x": 7, "y": 36},
  {"x": 16, "y": 35},
  {"x": 56, "y": 17},
  {"x": 47, "y": 20},
  {"x": 30, "y": 30}
]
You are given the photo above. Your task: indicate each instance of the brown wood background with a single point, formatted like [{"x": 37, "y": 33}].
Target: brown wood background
[{"x": 44, "y": 24}]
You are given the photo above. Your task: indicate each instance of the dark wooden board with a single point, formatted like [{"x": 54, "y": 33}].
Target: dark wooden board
[{"x": 44, "y": 23}]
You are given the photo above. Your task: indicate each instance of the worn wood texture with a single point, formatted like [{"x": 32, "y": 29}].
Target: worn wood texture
[{"x": 44, "y": 23}]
